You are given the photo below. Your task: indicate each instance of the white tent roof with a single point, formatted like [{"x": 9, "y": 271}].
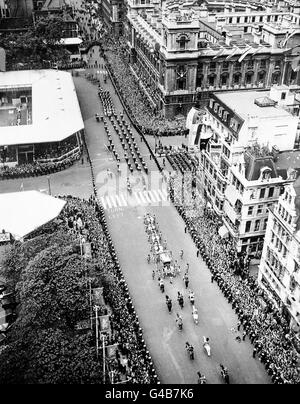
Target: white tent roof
[
  {"x": 56, "y": 113},
  {"x": 23, "y": 212}
]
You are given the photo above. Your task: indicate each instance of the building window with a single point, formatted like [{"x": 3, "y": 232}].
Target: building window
[
  {"x": 276, "y": 77},
  {"x": 182, "y": 43},
  {"x": 263, "y": 64},
  {"x": 248, "y": 226},
  {"x": 261, "y": 76},
  {"x": 250, "y": 64},
  {"x": 283, "y": 96},
  {"x": 271, "y": 192},
  {"x": 260, "y": 209},
  {"x": 262, "y": 193},
  {"x": 250, "y": 211},
  {"x": 211, "y": 80},
  {"x": 224, "y": 79},
  {"x": 249, "y": 77},
  {"x": 225, "y": 65},
  {"x": 265, "y": 224},
  {"x": 272, "y": 237},
  {"x": 236, "y": 78},
  {"x": 256, "y": 226}
]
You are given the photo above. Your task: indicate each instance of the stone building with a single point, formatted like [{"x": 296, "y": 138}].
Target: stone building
[
  {"x": 237, "y": 172},
  {"x": 113, "y": 12},
  {"x": 279, "y": 270},
  {"x": 182, "y": 51}
]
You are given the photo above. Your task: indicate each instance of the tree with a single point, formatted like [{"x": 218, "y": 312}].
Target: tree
[
  {"x": 37, "y": 47},
  {"x": 53, "y": 290},
  {"x": 58, "y": 358},
  {"x": 50, "y": 29},
  {"x": 19, "y": 255}
]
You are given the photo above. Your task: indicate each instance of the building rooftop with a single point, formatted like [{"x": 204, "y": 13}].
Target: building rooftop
[
  {"x": 56, "y": 113},
  {"x": 254, "y": 165},
  {"x": 243, "y": 104}
]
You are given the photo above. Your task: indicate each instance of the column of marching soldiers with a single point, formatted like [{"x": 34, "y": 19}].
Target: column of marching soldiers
[{"x": 132, "y": 156}]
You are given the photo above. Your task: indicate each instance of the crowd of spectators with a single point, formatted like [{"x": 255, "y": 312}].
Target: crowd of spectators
[
  {"x": 182, "y": 161},
  {"x": 265, "y": 326},
  {"x": 36, "y": 169},
  {"x": 126, "y": 331},
  {"x": 55, "y": 150},
  {"x": 141, "y": 109},
  {"x": 86, "y": 219}
]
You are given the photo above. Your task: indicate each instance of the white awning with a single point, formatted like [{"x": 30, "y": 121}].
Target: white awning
[
  {"x": 206, "y": 133},
  {"x": 23, "y": 212},
  {"x": 223, "y": 231},
  {"x": 71, "y": 41},
  {"x": 192, "y": 117}
]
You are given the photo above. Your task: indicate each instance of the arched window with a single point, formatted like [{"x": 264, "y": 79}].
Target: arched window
[
  {"x": 249, "y": 77},
  {"x": 224, "y": 79},
  {"x": 261, "y": 76},
  {"x": 237, "y": 78},
  {"x": 212, "y": 79},
  {"x": 182, "y": 42},
  {"x": 181, "y": 77},
  {"x": 276, "y": 77}
]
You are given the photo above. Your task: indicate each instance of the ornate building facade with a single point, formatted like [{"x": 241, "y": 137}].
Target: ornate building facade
[
  {"x": 279, "y": 270},
  {"x": 240, "y": 171},
  {"x": 181, "y": 52}
]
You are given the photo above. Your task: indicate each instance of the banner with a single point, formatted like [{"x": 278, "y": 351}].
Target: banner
[
  {"x": 242, "y": 57},
  {"x": 98, "y": 297},
  {"x": 87, "y": 250},
  {"x": 111, "y": 351},
  {"x": 104, "y": 323}
]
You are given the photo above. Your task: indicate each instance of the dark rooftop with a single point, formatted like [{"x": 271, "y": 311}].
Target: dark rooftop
[{"x": 255, "y": 164}]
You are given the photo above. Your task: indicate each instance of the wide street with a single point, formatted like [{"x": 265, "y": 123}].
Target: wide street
[{"x": 125, "y": 219}]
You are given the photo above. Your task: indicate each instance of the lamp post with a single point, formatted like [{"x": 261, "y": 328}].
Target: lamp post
[
  {"x": 96, "y": 308},
  {"x": 49, "y": 185}
]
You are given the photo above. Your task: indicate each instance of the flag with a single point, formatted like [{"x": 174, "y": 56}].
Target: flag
[
  {"x": 288, "y": 36},
  {"x": 234, "y": 51},
  {"x": 257, "y": 50},
  {"x": 245, "y": 53},
  {"x": 221, "y": 51}
]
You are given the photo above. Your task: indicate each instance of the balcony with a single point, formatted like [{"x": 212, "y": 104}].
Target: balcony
[
  {"x": 233, "y": 213},
  {"x": 234, "y": 231}
]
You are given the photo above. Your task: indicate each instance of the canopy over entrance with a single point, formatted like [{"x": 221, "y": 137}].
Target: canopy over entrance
[
  {"x": 23, "y": 212},
  {"x": 223, "y": 231}
]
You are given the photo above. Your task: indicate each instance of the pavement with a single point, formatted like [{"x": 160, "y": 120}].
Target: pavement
[{"x": 125, "y": 220}]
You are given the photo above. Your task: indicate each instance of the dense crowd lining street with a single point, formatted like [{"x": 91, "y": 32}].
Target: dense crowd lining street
[{"x": 166, "y": 343}]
